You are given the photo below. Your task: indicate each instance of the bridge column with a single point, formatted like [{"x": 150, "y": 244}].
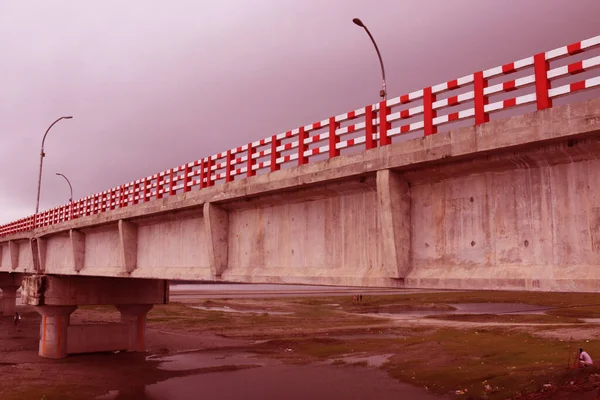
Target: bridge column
[
  {"x": 54, "y": 330},
  {"x": 9, "y": 284},
  {"x": 134, "y": 315}
]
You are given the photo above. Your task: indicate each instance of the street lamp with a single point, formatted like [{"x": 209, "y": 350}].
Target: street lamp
[
  {"x": 42, "y": 154},
  {"x": 70, "y": 187},
  {"x": 383, "y": 92}
]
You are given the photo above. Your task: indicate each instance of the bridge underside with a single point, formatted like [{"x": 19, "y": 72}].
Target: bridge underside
[{"x": 513, "y": 204}]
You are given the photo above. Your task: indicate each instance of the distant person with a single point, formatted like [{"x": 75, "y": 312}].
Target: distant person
[
  {"x": 360, "y": 298},
  {"x": 584, "y": 359},
  {"x": 17, "y": 318}
]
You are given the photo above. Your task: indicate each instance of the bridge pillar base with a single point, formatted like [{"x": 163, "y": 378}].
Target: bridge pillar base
[
  {"x": 53, "y": 330},
  {"x": 134, "y": 315}
]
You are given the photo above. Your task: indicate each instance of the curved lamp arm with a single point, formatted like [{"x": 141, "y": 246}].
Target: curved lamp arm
[{"x": 383, "y": 92}]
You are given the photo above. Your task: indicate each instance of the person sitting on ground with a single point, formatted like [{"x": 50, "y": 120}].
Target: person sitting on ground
[{"x": 584, "y": 359}]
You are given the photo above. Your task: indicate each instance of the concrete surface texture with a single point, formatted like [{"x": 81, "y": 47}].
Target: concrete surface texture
[
  {"x": 511, "y": 204},
  {"x": 9, "y": 284}
]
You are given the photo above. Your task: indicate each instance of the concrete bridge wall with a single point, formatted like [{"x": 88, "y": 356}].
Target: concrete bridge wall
[{"x": 511, "y": 204}]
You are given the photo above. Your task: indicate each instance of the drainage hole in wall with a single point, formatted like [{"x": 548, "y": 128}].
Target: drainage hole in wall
[
  {"x": 471, "y": 199},
  {"x": 526, "y": 243},
  {"x": 472, "y": 243},
  {"x": 426, "y": 244}
]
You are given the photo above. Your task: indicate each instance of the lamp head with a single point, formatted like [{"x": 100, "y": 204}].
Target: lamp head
[{"x": 358, "y": 22}]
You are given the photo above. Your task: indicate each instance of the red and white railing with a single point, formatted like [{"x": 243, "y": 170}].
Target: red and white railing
[{"x": 473, "y": 97}]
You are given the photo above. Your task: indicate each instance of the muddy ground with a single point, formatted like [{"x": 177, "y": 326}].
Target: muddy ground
[{"x": 469, "y": 356}]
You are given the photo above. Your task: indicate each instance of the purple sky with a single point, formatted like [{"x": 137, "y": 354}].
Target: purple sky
[{"x": 152, "y": 85}]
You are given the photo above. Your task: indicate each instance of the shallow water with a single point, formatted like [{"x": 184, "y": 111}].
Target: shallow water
[
  {"x": 499, "y": 308},
  {"x": 476, "y": 308},
  {"x": 231, "y": 310},
  {"x": 271, "y": 379},
  {"x": 376, "y": 360}
]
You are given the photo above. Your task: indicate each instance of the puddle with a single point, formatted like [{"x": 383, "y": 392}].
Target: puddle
[
  {"x": 375, "y": 361},
  {"x": 365, "y": 336},
  {"x": 272, "y": 380},
  {"x": 112, "y": 395},
  {"x": 232, "y": 310},
  {"x": 475, "y": 308},
  {"x": 499, "y": 308},
  {"x": 190, "y": 361}
]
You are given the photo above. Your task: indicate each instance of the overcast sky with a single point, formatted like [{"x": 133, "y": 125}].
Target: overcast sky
[{"x": 154, "y": 84}]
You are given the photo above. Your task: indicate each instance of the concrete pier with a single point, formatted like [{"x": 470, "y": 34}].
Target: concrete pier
[
  {"x": 9, "y": 284},
  {"x": 57, "y": 297}
]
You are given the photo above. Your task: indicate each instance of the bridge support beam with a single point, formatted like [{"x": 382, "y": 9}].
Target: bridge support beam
[
  {"x": 216, "y": 222},
  {"x": 393, "y": 202},
  {"x": 56, "y": 297}
]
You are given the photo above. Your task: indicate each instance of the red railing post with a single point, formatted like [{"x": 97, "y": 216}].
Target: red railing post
[
  {"x": 370, "y": 141},
  {"x": 171, "y": 182},
  {"x": 302, "y": 146},
  {"x": 186, "y": 177},
  {"x": 334, "y": 139},
  {"x": 209, "y": 165},
  {"x": 384, "y": 140},
  {"x": 428, "y": 113},
  {"x": 228, "y": 176},
  {"x": 145, "y": 199},
  {"x": 122, "y": 196},
  {"x": 160, "y": 182},
  {"x": 250, "y": 164},
  {"x": 481, "y": 100},
  {"x": 275, "y": 143},
  {"x": 542, "y": 83},
  {"x": 202, "y": 173},
  {"x": 135, "y": 190},
  {"x": 110, "y": 201}
]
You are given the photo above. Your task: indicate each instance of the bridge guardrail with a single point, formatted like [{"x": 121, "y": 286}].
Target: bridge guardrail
[{"x": 473, "y": 97}]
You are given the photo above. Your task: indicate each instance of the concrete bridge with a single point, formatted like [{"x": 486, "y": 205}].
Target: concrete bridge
[{"x": 512, "y": 203}]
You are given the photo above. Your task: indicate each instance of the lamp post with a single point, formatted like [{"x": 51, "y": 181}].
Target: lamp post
[
  {"x": 70, "y": 187},
  {"x": 70, "y": 198},
  {"x": 42, "y": 155},
  {"x": 383, "y": 92}
]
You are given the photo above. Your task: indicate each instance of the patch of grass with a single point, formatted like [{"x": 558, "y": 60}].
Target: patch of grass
[
  {"x": 38, "y": 392},
  {"x": 577, "y": 311},
  {"x": 508, "y": 318},
  {"x": 176, "y": 315},
  {"x": 323, "y": 348},
  {"x": 450, "y": 359}
]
